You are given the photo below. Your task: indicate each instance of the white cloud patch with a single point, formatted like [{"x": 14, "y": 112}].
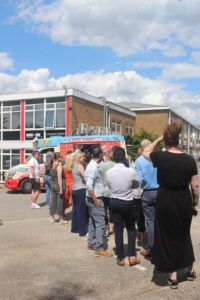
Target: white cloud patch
[
  {"x": 115, "y": 86},
  {"x": 126, "y": 26},
  {"x": 6, "y": 61},
  {"x": 173, "y": 71}
]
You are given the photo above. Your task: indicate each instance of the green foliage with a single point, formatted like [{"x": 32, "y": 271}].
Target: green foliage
[{"x": 133, "y": 142}]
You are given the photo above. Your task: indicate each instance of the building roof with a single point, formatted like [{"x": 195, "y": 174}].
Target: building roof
[
  {"x": 64, "y": 92},
  {"x": 141, "y": 106}
]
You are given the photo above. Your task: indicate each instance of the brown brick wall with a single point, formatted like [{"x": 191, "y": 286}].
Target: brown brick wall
[
  {"x": 151, "y": 121},
  {"x": 83, "y": 111}
]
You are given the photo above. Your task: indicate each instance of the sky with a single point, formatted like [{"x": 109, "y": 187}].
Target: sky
[{"x": 143, "y": 51}]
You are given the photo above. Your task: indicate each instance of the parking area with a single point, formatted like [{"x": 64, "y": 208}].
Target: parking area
[{"x": 40, "y": 260}]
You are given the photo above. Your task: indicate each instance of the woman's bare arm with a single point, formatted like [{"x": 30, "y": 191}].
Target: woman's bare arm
[
  {"x": 81, "y": 171},
  {"x": 195, "y": 189},
  {"x": 59, "y": 170}
]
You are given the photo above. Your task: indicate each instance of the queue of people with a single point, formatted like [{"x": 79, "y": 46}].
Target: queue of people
[{"x": 159, "y": 193}]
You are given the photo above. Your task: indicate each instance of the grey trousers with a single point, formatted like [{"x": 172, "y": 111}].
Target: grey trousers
[
  {"x": 56, "y": 206},
  {"x": 96, "y": 227}
]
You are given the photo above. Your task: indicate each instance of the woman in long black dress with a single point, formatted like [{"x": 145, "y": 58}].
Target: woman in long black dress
[{"x": 176, "y": 204}]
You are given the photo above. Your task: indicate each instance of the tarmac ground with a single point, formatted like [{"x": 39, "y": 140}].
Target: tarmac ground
[{"x": 44, "y": 261}]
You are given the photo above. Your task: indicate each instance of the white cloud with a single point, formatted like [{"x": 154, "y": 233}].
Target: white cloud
[
  {"x": 181, "y": 71},
  {"x": 126, "y": 26},
  {"x": 116, "y": 87},
  {"x": 173, "y": 71},
  {"x": 6, "y": 61}
]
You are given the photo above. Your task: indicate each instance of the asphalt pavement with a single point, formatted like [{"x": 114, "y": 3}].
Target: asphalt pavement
[{"x": 44, "y": 261}]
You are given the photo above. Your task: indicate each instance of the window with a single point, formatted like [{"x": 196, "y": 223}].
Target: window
[
  {"x": 49, "y": 122},
  {"x": 11, "y": 117},
  {"x": 35, "y": 116},
  {"x": 28, "y": 154},
  {"x": 116, "y": 127},
  {"x": 11, "y": 158},
  {"x": 55, "y": 115},
  {"x": 29, "y": 119},
  {"x": 129, "y": 129}
]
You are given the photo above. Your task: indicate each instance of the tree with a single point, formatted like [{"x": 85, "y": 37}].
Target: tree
[{"x": 133, "y": 142}]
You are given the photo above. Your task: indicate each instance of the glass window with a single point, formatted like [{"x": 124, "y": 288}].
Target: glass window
[
  {"x": 60, "y": 118},
  {"x": 39, "y": 106},
  {"x": 16, "y": 120},
  {"x": 6, "y": 162},
  {"x": 6, "y": 109},
  {"x": 129, "y": 129},
  {"x": 6, "y": 121},
  {"x": 52, "y": 105},
  {"x": 29, "y": 107},
  {"x": 39, "y": 119},
  {"x": 116, "y": 127},
  {"x": 60, "y": 105},
  {"x": 16, "y": 108},
  {"x": 49, "y": 122},
  {"x": 29, "y": 119},
  {"x": 15, "y": 160}
]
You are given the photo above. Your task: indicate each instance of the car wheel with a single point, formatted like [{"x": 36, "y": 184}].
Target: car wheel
[{"x": 26, "y": 186}]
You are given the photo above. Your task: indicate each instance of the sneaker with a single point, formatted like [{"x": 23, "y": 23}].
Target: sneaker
[
  {"x": 173, "y": 284},
  {"x": 35, "y": 205},
  {"x": 63, "y": 222},
  {"x": 133, "y": 261},
  {"x": 191, "y": 276},
  {"x": 103, "y": 253},
  {"x": 52, "y": 220}
]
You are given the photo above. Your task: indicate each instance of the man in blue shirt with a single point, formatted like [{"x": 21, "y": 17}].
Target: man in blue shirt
[
  {"x": 148, "y": 179},
  {"x": 94, "y": 201}
]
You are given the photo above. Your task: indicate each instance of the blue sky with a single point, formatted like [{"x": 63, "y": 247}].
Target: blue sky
[{"x": 127, "y": 50}]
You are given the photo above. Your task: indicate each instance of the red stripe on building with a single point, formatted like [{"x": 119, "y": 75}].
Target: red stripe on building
[
  {"x": 22, "y": 128},
  {"x": 67, "y": 128},
  {"x": 21, "y": 156}
]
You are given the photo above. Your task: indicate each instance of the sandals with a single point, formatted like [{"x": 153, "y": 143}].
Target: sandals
[
  {"x": 191, "y": 276},
  {"x": 173, "y": 284}
]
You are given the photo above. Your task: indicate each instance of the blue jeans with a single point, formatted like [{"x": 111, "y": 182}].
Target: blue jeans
[
  {"x": 148, "y": 205},
  {"x": 96, "y": 227},
  {"x": 47, "y": 183},
  {"x": 79, "y": 212}
]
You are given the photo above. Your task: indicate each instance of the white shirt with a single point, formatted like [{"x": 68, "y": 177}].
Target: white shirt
[
  {"x": 35, "y": 164},
  {"x": 121, "y": 181}
]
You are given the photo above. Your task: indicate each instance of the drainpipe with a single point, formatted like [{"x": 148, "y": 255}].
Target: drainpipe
[
  {"x": 188, "y": 140},
  {"x": 169, "y": 117}
]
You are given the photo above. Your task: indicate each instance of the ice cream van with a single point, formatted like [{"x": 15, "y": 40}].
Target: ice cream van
[{"x": 17, "y": 178}]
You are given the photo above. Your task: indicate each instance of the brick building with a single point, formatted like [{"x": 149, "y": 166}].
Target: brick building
[
  {"x": 26, "y": 116},
  {"x": 154, "y": 118}
]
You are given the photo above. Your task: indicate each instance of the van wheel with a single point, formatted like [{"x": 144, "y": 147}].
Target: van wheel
[{"x": 26, "y": 186}]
